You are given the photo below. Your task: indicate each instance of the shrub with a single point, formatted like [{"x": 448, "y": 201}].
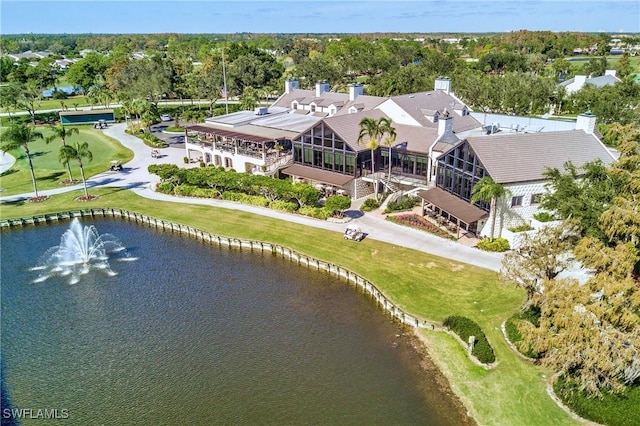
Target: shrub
[
  {"x": 464, "y": 327},
  {"x": 418, "y": 222},
  {"x": 206, "y": 193},
  {"x": 285, "y": 206},
  {"x": 610, "y": 409},
  {"x": 185, "y": 190},
  {"x": 543, "y": 217},
  {"x": 202, "y": 164},
  {"x": 495, "y": 244},
  {"x": 165, "y": 187},
  {"x": 369, "y": 205},
  {"x": 404, "y": 203},
  {"x": 337, "y": 204},
  {"x": 531, "y": 315},
  {"x": 254, "y": 200},
  {"x": 186, "y": 160},
  {"x": 315, "y": 212},
  {"x": 521, "y": 228}
]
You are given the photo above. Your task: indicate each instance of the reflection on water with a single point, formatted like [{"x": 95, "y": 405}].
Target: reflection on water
[{"x": 191, "y": 334}]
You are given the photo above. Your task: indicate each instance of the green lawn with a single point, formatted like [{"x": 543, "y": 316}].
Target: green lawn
[
  {"x": 430, "y": 287},
  {"x": 48, "y": 169}
]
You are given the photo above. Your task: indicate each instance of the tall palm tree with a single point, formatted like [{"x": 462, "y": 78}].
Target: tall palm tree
[
  {"x": 388, "y": 132},
  {"x": 370, "y": 136},
  {"x": 61, "y": 132},
  {"x": 19, "y": 135},
  {"x": 486, "y": 189},
  {"x": 76, "y": 151}
]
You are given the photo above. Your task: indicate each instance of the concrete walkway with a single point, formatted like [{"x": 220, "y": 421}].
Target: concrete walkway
[{"x": 136, "y": 178}]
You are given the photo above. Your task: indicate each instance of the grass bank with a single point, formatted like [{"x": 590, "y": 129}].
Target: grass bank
[
  {"x": 424, "y": 285},
  {"x": 48, "y": 169}
]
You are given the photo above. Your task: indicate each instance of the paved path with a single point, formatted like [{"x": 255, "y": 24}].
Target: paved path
[{"x": 136, "y": 178}]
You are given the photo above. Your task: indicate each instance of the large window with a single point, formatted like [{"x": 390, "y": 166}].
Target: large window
[
  {"x": 458, "y": 170},
  {"x": 321, "y": 148}
]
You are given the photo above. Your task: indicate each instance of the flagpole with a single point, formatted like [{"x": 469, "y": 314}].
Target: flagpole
[{"x": 224, "y": 85}]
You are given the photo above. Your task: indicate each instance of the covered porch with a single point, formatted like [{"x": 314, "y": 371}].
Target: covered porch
[
  {"x": 240, "y": 151},
  {"x": 451, "y": 212},
  {"x": 330, "y": 183}
]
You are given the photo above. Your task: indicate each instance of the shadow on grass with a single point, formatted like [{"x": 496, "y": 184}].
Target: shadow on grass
[
  {"x": 23, "y": 156},
  {"x": 55, "y": 176},
  {"x": 14, "y": 203},
  {"x": 9, "y": 172}
]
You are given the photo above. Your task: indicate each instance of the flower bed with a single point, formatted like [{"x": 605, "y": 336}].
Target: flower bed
[{"x": 418, "y": 222}]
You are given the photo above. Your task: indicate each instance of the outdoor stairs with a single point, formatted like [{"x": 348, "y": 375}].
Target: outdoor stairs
[{"x": 392, "y": 187}]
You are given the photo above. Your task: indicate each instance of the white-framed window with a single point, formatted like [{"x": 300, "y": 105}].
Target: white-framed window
[
  {"x": 294, "y": 105},
  {"x": 536, "y": 199},
  {"x": 312, "y": 107},
  {"x": 516, "y": 201}
]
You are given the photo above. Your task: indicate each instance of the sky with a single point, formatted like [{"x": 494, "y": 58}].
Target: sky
[{"x": 316, "y": 16}]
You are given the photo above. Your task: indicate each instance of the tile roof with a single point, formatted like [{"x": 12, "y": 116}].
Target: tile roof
[{"x": 522, "y": 157}]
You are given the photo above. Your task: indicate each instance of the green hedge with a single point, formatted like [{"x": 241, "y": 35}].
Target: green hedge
[
  {"x": 285, "y": 206},
  {"x": 402, "y": 204},
  {"x": 531, "y": 315},
  {"x": 496, "y": 244},
  {"x": 543, "y": 217},
  {"x": 254, "y": 200},
  {"x": 315, "y": 212},
  {"x": 464, "y": 327},
  {"x": 369, "y": 205},
  {"x": 610, "y": 409}
]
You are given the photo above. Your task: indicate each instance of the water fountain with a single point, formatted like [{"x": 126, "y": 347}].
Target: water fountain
[{"x": 81, "y": 249}]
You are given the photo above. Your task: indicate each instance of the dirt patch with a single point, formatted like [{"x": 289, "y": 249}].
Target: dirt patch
[
  {"x": 86, "y": 198},
  {"x": 455, "y": 267}
]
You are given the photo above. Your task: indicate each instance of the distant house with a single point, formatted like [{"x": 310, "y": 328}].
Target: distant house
[{"x": 576, "y": 83}]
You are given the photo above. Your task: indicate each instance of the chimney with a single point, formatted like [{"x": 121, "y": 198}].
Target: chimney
[
  {"x": 580, "y": 80},
  {"x": 321, "y": 87},
  {"x": 355, "y": 90},
  {"x": 586, "y": 122},
  {"x": 445, "y": 125},
  {"x": 443, "y": 83},
  {"x": 290, "y": 85}
]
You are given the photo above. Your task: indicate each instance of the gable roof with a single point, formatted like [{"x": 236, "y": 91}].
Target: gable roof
[
  {"x": 524, "y": 157},
  {"x": 348, "y": 126},
  {"x": 600, "y": 81},
  {"x": 416, "y": 104}
]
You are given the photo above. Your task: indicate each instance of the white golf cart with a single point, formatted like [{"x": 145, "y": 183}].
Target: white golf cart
[
  {"x": 353, "y": 232},
  {"x": 116, "y": 166}
]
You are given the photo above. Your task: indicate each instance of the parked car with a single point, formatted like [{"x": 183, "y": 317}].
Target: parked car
[{"x": 165, "y": 117}]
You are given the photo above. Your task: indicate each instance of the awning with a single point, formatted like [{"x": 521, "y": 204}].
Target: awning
[
  {"x": 317, "y": 175},
  {"x": 460, "y": 209}
]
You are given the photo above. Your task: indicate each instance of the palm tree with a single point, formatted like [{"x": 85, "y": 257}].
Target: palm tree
[
  {"x": 486, "y": 189},
  {"x": 62, "y": 133},
  {"x": 386, "y": 128},
  {"x": 77, "y": 151},
  {"x": 19, "y": 135},
  {"x": 369, "y": 135}
]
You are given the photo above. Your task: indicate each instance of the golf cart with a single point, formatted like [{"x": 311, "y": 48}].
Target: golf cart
[
  {"x": 353, "y": 232},
  {"x": 116, "y": 166}
]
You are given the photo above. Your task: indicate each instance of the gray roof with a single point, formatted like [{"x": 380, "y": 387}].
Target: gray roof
[
  {"x": 524, "y": 157},
  {"x": 416, "y": 104},
  {"x": 601, "y": 81},
  {"x": 348, "y": 126},
  {"x": 306, "y": 97}
]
